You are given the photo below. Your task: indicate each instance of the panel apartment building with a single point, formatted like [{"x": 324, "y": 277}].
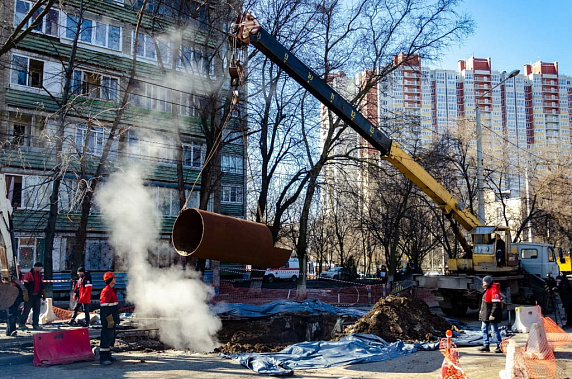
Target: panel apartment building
[
  {"x": 70, "y": 74},
  {"x": 528, "y": 112}
]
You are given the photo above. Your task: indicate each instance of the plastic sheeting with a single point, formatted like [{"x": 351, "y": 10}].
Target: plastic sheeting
[
  {"x": 282, "y": 306},
  {"x": 357, "y": 348}
]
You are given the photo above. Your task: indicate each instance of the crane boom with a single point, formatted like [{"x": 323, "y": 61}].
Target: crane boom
[{"x": 247, "y": 30}]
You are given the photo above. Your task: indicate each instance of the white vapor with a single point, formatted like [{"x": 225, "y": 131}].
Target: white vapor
[{"x": 177, "y": 298}]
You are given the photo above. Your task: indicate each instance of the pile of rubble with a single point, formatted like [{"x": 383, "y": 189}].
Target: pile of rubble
[{"x": 401, "y": 318}]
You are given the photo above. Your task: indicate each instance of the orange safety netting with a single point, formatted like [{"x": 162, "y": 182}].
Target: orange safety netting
[
  {"x": 450, "y": 369},
  {"x": 64, "y": 314},
  {"x": 536, "y": 359}
]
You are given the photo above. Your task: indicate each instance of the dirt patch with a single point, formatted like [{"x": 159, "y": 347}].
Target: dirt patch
[
  {"x": 401, "y": 318},
  {"x": 274, "y": 333}
]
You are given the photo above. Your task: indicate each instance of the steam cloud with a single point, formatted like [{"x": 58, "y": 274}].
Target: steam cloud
[{"x": 176, "y": 297}]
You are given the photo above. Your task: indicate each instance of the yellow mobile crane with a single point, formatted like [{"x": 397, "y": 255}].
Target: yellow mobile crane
[{"x": 461, "y": 289}]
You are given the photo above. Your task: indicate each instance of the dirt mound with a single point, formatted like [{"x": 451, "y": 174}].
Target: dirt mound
[
  {"x": 274, "y": 333},
  {"x": 401, "y": 318}
]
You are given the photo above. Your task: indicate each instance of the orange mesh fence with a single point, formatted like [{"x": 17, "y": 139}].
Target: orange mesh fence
[
  {"x": 62, "y": 314},
  {"x": 555, "y": 335},
  {"x": 536, "y": 359},
  {"x": 343, "y": 296}
]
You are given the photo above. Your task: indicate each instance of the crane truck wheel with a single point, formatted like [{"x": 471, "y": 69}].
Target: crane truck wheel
[
  {"x": 293, "y": 278},
  {"x": 270, "y": 278},
  {"x": 458, "y": 311}
]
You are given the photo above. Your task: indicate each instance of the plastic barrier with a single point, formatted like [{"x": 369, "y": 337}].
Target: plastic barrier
[
  {"x": 525, "y": 317},
  {"x": 47, "y": 315},
  {"x": 62, "y": 347}
]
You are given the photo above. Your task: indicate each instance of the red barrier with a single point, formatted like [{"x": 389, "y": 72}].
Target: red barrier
[{"x": 62, "y": 347}]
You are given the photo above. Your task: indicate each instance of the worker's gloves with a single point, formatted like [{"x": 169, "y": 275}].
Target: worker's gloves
[
  {"x": 110, "y": 322},
  {"x": 25, "y": 295},
  {"x": 43, "y": 294},
  {"x": 491, "y": 318}
]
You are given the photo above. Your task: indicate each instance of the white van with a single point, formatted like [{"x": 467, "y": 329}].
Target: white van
[{"x": 290, "y": 271}]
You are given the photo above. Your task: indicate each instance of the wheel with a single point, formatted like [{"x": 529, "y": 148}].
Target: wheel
[
  {"x": 270, "y": 278},
  {"x": 293, "y": 278},
  {"x": 335, "y": 277},
  {"x": 458, "y": 311}
]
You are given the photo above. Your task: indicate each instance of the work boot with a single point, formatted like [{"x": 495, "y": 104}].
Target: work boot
[
  {"x": 106, "y": 362},
  {"x": 37, "y": 327},
  {"x": 14, "y": 334},
  {"x": 485, "y": 349},
  {"x": 23, "y": 327},
  {"x": 498, "y": 350}
]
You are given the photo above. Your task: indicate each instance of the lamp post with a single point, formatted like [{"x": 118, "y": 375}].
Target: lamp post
[{"x": 480, "y": 199}]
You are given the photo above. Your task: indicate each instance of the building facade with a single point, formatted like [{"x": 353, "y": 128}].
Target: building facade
[{"x": 94, "y": 82}]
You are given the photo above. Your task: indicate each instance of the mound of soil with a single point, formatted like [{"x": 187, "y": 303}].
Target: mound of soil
[
  {"x": 401, "y": 318},
  {"x": 274, "y": 333}
]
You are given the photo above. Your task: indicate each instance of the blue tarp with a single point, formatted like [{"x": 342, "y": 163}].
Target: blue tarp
[
  {"x": 357, "y": 348},
  {"x": 282, "y": 306}
]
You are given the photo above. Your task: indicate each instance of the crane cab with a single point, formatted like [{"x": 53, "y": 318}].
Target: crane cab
[{"x": 485, "y": 247}]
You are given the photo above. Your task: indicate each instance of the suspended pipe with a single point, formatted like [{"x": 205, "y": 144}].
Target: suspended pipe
[{"x": 208, "y": 235}]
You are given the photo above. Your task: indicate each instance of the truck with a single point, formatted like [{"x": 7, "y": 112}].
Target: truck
[
  {"x": 526, "y": 264},
  {"x": 290, "y": 271}
]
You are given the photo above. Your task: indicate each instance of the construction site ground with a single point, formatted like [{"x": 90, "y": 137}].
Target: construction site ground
[{"x": 147, "y": 360}]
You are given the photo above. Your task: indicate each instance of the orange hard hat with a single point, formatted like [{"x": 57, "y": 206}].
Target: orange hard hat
[{"x": 108, "y": 275}]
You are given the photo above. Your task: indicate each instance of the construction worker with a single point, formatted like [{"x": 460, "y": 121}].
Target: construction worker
[
  {"x": 82, "y": 293},
  {"x": 490, "y": 313},
  {"x": 109, "y": 318},
  {"x": 33, "y": 294}
]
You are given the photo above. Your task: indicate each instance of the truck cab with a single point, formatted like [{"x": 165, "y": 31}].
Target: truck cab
[
  {"x": 537, "y": 258},
  {"x": 290, "y": 271}
]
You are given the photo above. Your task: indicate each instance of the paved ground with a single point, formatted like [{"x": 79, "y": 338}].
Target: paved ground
[{"x": 16, "y": 355}]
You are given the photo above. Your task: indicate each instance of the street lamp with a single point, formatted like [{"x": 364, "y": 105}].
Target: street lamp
[{"x": 481, "y": 202}]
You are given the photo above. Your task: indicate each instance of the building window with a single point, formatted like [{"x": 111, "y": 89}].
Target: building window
[
  {"x": 19, "y": 135},
  {"x": 14, "y": 190},
  {"x": 26, "y": 252},
  {"x": 93, "y": 85},
  {"x": 231, "y": 164},
  {"x": 94, "y": 32},
  {"x": 149, "y": 96},
  {"x": 27, "y": 72},
  {"x": 90, "y": 140},
  {"x": 48, "y": 25},
  {"x": 193, "y": 154},
  {"x": 232, "y": 194}
]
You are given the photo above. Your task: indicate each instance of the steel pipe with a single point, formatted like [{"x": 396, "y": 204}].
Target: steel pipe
[{"x": 208, "y": 235}]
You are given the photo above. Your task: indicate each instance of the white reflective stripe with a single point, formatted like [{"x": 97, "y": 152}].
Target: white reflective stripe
[
  {"x": 88, "y": 285},
  {"x": 496, "y": 301},
  {"x": 104, "y": 349},
  {"x": 108, "y": 304}
]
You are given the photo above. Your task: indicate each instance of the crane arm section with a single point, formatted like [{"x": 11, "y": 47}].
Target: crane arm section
[{"x": 247, "y": 30}]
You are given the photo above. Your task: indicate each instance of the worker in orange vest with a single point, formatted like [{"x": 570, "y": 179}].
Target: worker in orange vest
[{"x": 109, "y": 312}]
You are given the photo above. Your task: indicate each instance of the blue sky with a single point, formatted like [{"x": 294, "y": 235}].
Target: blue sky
[{"x": 514, "y": 33}]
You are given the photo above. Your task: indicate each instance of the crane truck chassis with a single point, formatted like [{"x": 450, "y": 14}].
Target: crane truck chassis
[{"x": 526, "y": 263}]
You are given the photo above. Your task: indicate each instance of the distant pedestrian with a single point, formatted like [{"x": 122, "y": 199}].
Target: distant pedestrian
[
  {"x": 491, "y": 313},
  {"x": 564, "y": 289},
  {"x": 383, "y": 277},
  {"x": 82, "y": 293},
  {"x": 109, "y": 304},
  {"x": 33, "y": 294}
]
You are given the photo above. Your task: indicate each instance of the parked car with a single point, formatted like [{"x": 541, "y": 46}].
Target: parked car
[{"x": 333, "y": 273}]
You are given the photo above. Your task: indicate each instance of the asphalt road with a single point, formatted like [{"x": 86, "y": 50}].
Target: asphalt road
[{"x": 177, "y": 364}]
